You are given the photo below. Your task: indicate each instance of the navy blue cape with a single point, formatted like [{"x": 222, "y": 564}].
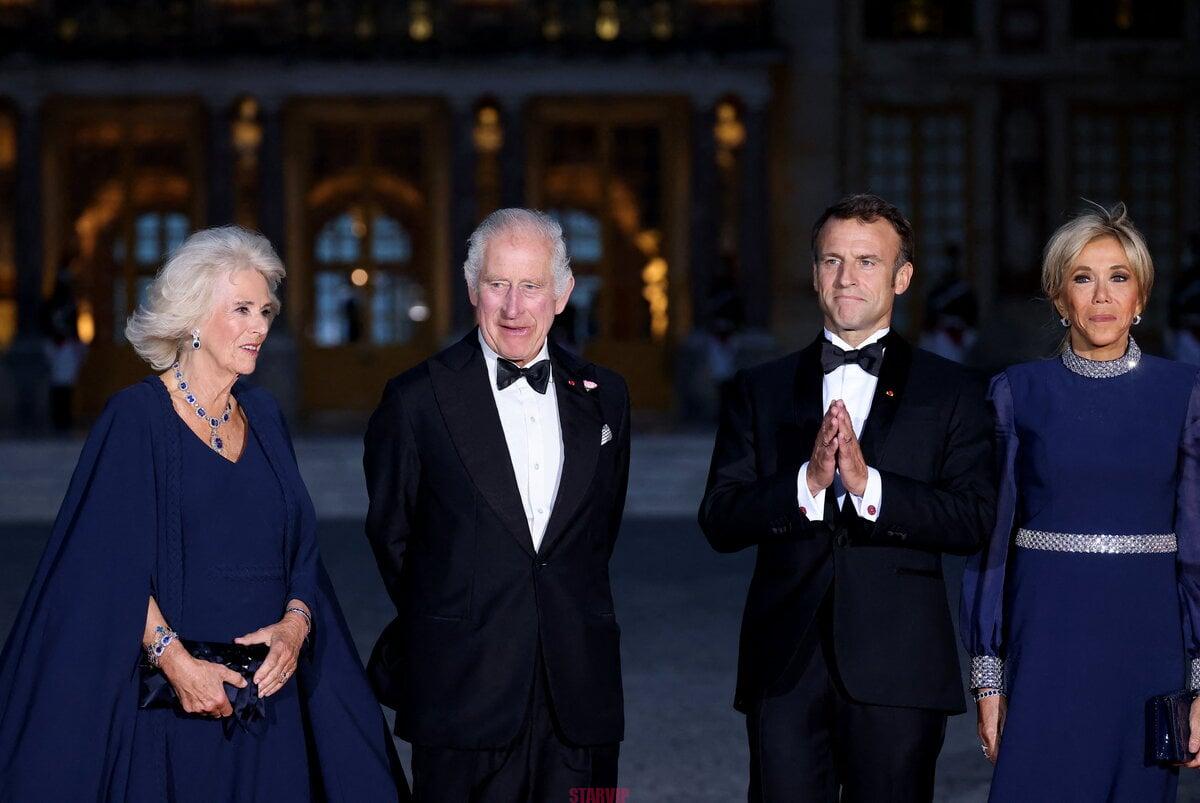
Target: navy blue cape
[{"x": 68, "y": 673}]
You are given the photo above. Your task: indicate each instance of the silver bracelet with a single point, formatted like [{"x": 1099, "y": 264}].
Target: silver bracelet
[
  {"x": 986, "y": 693},
  {"x": 163, "y": 636},
  {"x": 303, "y": 613}
]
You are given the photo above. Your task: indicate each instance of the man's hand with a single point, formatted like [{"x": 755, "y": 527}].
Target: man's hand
[
  {"x": 850, "y": 461},
  {"x": 823, "y": 462},
  {"x": 992, "y": 711}
]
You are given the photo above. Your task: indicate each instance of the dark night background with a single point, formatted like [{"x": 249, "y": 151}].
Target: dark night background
[{"x": 685, "y": 145}]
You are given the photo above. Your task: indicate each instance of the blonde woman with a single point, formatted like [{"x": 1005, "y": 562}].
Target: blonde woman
[
  {"x": 1086, "y": 602},
  {"x": 186, "y": 535}
]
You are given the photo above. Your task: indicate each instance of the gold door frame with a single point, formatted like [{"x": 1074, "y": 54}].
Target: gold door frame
[
  {"x": 351, "y": 377},
  {"x": 110, "y": 365},
  {"x": 646, "y": 364}
]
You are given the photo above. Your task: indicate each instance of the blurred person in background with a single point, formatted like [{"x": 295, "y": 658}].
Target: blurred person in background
[
  {"x": 186, "y": 534},
  {"x": 63, "y": 349},
  {"x": 1086, "y": 602}
]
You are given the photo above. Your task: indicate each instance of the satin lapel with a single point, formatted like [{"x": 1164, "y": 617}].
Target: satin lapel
[
  {"x": 460, "y": 383},
  {"x": 893, "y": 376},
  {"x": 810, "y": 407},
  {"x": 580, "y": 419}
]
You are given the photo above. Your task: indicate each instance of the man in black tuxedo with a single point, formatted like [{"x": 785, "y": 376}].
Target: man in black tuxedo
[
  {"x": 851, "y": 465},
  {"x": 496, "y": 471}
]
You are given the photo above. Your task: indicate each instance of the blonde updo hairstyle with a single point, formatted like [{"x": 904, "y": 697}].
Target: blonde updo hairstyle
[
  {"x": 180, "y": 298},
  {"x": 1066, "y": 244}
]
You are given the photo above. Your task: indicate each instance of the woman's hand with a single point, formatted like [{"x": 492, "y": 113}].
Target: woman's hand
[
  {"x": 200, "y": 685},
  {"x": 285, "y": 638},
  {"x": 1194, "y": 740},
  {"x": 992, "y": 711}
]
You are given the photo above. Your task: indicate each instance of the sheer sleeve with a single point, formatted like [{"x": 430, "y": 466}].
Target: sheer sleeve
[
  {"x": 981, "y": 616},
  {"x": 1187, "y": 531}
]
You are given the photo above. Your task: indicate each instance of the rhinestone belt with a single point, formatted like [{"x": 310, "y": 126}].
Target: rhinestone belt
[{"x": 1097, "y": 542}]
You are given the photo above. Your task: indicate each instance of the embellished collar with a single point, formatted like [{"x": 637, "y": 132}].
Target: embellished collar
[{"x": 1103, "y": 369}]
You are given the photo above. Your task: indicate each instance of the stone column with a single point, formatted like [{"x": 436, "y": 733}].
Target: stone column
[
  {"x": 219, "y": 158},
  {"x": 279, "y": 369},
  {"x": 463, "y": 204},
  {"x": 26, "y": 365},
  {"x": 754, "y": 231},
  {"x": 512, "y": 155},
  {"x": 705, "y": 211}
]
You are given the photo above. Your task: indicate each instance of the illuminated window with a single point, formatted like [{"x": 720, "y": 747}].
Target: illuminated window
[
  {"x": 581, "y": 230},
  {"x": 1134, "y": 156},
  {"x": 356, "y": 298},
  {"x": 917, "y": 160},
  {"x": 917, "y": 19},
  {"x": 1127, "y": 19}
]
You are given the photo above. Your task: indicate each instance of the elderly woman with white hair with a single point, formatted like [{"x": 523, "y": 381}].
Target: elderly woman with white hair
[
  {"x": 180, "y": 639},
  {"x": 1086, "y": 603}
]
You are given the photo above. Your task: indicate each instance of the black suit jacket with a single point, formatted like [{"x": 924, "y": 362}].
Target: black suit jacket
[
  {"x": 473, "y": 598},
  {"x": 929, "y": 434}
]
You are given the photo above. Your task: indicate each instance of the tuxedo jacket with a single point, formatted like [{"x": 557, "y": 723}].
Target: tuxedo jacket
[
  {"x": 929, "y": 434},
  {"x": 474, "y": 601}
]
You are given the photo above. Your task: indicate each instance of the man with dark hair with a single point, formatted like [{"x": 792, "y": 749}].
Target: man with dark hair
[{"x": 851, "y": 466}]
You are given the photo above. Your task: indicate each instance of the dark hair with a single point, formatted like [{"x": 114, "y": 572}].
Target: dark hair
[{"x": 868, "y": 208}]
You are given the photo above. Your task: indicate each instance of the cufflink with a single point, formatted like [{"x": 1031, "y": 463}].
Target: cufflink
[{"x": 605, "y": 434}]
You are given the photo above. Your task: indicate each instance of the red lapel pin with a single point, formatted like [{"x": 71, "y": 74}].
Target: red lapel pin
[{"x": 889, "y": 393}]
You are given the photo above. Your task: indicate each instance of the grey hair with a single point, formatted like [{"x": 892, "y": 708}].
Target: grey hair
[
  {"x": 525, "y": 221},
  {"x": 180, "y": 298}
]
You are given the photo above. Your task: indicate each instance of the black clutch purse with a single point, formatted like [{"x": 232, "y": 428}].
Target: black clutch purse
[
  {"x": 249, "y": 710},
  {"x": 1168, "y": 727}
]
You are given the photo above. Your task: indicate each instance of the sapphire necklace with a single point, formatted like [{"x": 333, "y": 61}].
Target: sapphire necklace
[{"x": 214, "y": 436}]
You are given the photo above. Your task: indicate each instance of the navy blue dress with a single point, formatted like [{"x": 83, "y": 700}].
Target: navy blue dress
[
  {"x": 1084, "y": 605},
  {"x": 151, "y": 511},
  {"x": 234, "y": 524}
]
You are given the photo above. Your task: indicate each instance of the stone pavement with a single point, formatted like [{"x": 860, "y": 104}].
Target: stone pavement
[
  {"x": 667, "y": 474},
  {"x": 679, "y": 605}
]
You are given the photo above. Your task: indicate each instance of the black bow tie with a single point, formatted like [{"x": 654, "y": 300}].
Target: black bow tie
[
  {"x": 869, "y": 358},
  {"x": 537, "y": 375}
]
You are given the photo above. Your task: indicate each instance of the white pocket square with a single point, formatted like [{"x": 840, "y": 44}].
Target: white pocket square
[{"x": 605, "y": 434}]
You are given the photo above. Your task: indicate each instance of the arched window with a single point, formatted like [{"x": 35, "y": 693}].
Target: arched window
[
  {"x": 357, "y": 298},
  {"x": 581, "y": 230}
]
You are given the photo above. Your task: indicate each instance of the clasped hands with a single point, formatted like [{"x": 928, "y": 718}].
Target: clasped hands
[
  {"x": 837, "y": 452},
  {"x": 200, "y": 685}
]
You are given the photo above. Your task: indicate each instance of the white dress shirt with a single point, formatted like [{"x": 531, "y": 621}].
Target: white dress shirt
[
  {"x": 856, "y": 388},
  {"x": 534, "y": 437}
]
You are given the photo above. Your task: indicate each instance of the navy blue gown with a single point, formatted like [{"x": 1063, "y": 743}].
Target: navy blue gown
[
  {"x": 234, "y": 582},
  {"x": 1084, "y": 604},
  {"x": 221, "y": 547}
]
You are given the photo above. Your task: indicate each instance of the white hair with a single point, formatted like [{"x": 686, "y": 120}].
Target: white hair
[
  {"x": 526, "y": 221},
  {"x": 180, "y": 298}
]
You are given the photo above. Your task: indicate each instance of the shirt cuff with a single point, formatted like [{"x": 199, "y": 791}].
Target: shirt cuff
[
  {"x": 867, "y": 506},
  {"x": 813, "y": 507},
  {"x": 987, "y": 672}
]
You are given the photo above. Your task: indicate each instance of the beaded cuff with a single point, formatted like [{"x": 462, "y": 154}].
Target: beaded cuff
[
  {"x": 1194, "y": 675},
  {"x": 1102, "y": 369},
  {"x": 987, "y": 672}
]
